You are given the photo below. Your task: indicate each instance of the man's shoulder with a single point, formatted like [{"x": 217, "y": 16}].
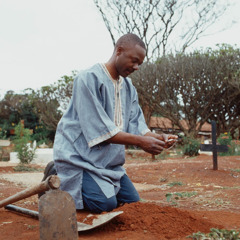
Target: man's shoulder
[
  {"x": 93, "y": 70},
  {"x": 91, "y": 74}
]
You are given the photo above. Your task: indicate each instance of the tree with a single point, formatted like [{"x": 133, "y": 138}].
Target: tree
[
  {"x": 40, "y": 109},
  {"x": 165, "y": 26},
  {"x": 20, "y": 107},
  {"x": 198, "y": 87},
  {"x": 51, "y": 101},
  {"x": 15, "y": 107},
  {"x": 226, "y": 111},
  {"x": 161, "y": 24}
]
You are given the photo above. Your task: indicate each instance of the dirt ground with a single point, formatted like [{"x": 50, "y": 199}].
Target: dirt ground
[{"x": 199, "y": 199}]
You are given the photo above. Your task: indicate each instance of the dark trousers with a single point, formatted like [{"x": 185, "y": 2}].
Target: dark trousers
[{"x": 95, "y": 200}]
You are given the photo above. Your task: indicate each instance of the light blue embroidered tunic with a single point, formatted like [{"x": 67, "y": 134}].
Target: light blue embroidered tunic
[{"x": 100, "y": 107}]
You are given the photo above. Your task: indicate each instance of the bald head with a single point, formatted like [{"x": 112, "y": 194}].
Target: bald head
[
  {"x": 128, "y": 40},
  {"x": 129, "y": 53}
]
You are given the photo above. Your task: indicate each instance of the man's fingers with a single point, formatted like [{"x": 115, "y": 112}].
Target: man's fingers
[
  {"x": 165, "y": 137},
  {"x": 172, "y": 137},
  {"x": 158, "y": 148},
  {"x": 160, "y": 142}
]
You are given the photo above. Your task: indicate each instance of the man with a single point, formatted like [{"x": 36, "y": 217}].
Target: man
[{"x": 103, "y": 116}]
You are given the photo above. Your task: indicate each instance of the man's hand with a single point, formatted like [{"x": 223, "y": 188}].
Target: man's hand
[
  {"x": 168, "y": 139},
  {"x": 151, "y": 145},
  {"x": 151, "y": 142}
]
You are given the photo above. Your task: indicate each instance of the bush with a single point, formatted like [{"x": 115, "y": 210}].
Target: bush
[
  {"x": 25, "y": 151},
  {"x": 226, "y": 139},
  {"x": 216, "y": 234},
  {"x": 3, "y": 131},
  {"x": 191, "y": 146},
  {"x": 41, "y": 134}
]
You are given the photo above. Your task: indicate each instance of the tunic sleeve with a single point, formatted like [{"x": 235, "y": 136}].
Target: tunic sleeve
[
  {"x": 96, "y": 125},
  {"x": 137, "y": 124}
]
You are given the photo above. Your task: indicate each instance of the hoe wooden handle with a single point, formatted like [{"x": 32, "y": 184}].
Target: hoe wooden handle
[{"x": 52, "y": 182}]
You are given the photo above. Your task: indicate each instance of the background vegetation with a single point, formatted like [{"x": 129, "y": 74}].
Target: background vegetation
[{"x": 198, "y": 86}]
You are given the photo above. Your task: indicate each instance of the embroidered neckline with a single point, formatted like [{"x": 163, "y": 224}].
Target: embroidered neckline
[
  {"x": 109, "y": 75},
  {"x": 118, "y": 115}
]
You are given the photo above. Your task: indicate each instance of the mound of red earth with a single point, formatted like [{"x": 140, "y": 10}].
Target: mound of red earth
[{"x": 150, "y": 221}]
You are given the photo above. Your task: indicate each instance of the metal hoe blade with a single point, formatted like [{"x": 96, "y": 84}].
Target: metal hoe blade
[{"x": 57, "y": 216}]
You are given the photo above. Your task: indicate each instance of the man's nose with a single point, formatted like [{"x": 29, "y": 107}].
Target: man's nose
[{"x": 135, "y": 67}]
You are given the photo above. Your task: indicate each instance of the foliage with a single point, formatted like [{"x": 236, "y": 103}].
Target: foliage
[
  {"x": 216, "y": 234},
  {"x": 172, "y": 184},
  {"x": 226, "y": 139},
  {"x": 41, "y": 134},
  {"x": 24, "y": 168},
  {"x": 51, "y": 101},
  {"x": 191, "y": 146},
  {"x": 16, "y": 107},
  {"x": 171, "y": 197},
  {"x": 170, "y": 87},
  {"x": 3, "y": 133},
  {"x": 197, "y": 87},
  {"x": 25, "y": 152},
  {"x": 41, "y": 109}
]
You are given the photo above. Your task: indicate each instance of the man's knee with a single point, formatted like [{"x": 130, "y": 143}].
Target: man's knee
[
  {"x": 127, "y": 193},
  {"x": 93, "y": 197},
  {"x": 103, "y": 205},
  {"x": 134, "y": 197}
]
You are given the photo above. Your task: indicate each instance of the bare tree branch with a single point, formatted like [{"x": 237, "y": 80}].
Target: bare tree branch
[{"x": 162, "y": 24}]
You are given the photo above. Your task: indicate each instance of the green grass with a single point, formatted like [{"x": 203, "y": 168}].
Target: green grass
[
  {"x": 25, "y": 168},
  {"x": 31, "y": 227},
  {"x": 142, "y": 200},
  {"x": 171, "y": 197},
  {"x": 216, "y": 234},
  {"x": 172, "y": 184}
]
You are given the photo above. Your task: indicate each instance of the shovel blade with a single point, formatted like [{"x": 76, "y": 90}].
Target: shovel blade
[
  {"x": 99, "y": 221},
  {"x": 57, "y": 216}
]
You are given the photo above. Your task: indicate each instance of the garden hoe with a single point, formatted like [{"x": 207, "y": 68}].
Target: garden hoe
[{"x": 57, "y": 213}]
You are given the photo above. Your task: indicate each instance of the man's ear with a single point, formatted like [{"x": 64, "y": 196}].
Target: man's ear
[{"x": 119, "y": 50}]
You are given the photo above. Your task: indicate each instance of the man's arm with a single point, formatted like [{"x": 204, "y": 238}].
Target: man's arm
[{"x": 149, "y": 144}]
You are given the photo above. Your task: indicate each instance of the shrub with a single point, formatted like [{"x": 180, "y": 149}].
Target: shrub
[
  {"x": 216, "y": 234},
  {"x": 171, "y": 197},
  {"x": 3, "y": 132},
  {"x": 41, "y": 134},
  {"x": 24, "y": 168},
  {"x": 226, "y": 139},
  {"x": 191, "y": 146},
  {"x": 25, "y": 151}
]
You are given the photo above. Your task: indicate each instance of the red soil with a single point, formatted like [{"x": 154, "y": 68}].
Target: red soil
[{"x": 216, "y": 203}]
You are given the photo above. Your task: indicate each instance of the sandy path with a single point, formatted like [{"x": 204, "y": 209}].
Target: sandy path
[{"x": 32, "y": 179}]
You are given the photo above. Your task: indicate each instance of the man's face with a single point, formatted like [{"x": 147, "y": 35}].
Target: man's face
[{"x": 129, "y": 59}]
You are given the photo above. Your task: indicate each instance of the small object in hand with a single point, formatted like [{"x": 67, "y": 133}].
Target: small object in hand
[{"x": 170, "y": 143}]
